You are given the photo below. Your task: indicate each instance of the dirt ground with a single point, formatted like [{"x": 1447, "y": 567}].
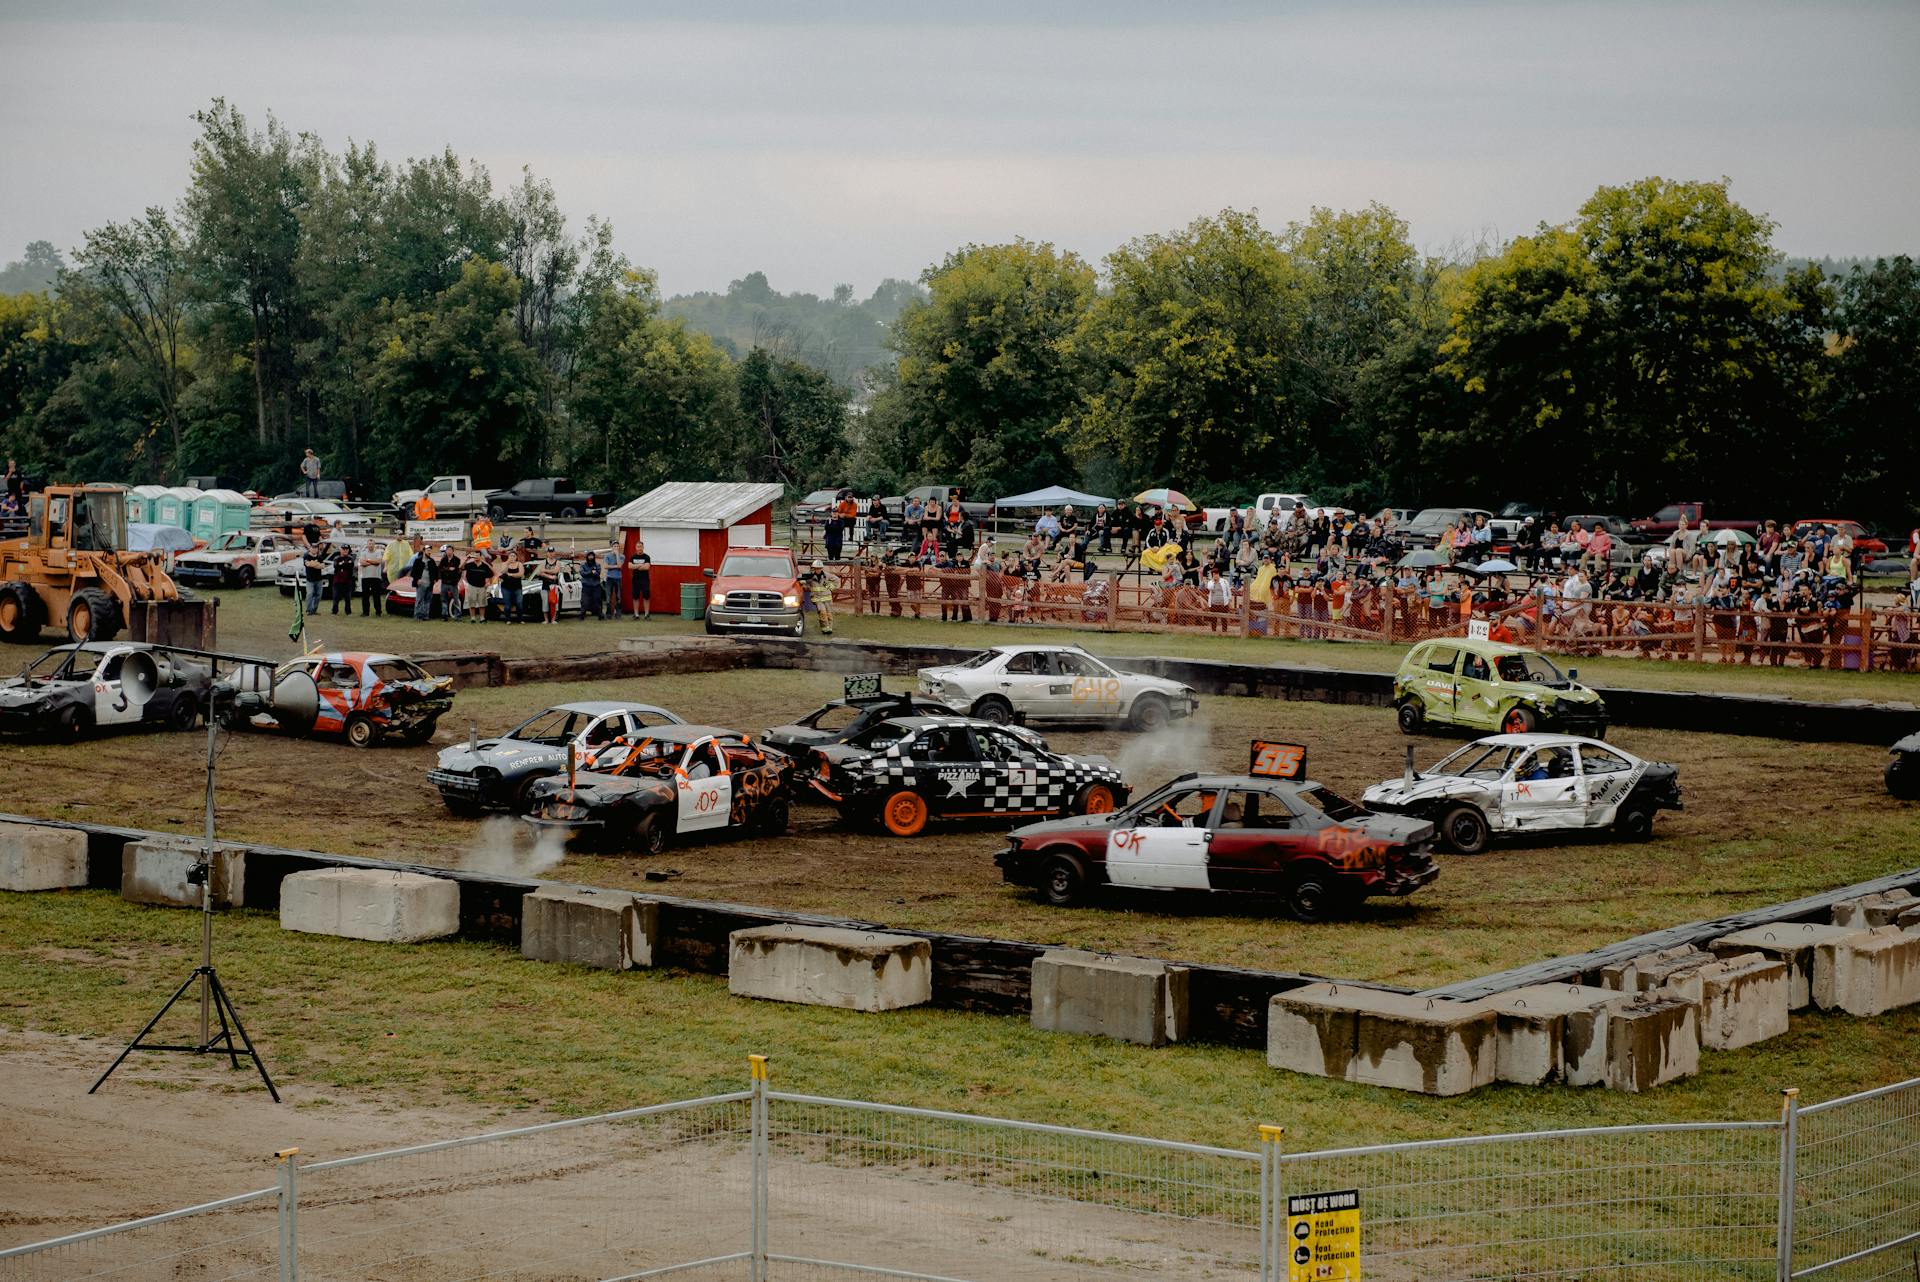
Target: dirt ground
[{"x": 1766, "y": 820}]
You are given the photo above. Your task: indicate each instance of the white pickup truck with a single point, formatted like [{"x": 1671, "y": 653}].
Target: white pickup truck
[
  {"x": 1269, "y": 506},
  {"x": 452, "y": 496}
]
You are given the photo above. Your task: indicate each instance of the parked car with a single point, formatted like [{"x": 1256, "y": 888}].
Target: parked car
[
  {"x": 554, "y": 496},
  {"x": 1490, "y": 685},
  {"x": 1319, "y": 853},
  {"x": 1865, "y": 541},
  {"x": 675, "y": 783},
  {"x": 1270, "y": 507},
  {"x": 1662, "y": 524},
  {"x": 815, "y": 508},
  {"x": 239, "y": 558},
  {"x": 1511, "y": 783},
  {"x": 335, "y": 491},
  {"x": 908, "y": 771},
  {"x": 1055, "y": 683},
  {"x": 496, "y": 774},
  {"x": 1424, "y": 530},
  {"x": 843, "y": 719},
  {"x": 71, "y": 690},
  {"x": 1903, "y": 771},
  {"x": 941, "y": 494},
  {"x": 1628, "y": 544},
  {"x": 291, "y": 509},
  {"x": 1507, "y": 522},
  {"x": 756, "y": 589},
  {"x": 364, "y": 698},
  {"x": 291, "y": 575}
]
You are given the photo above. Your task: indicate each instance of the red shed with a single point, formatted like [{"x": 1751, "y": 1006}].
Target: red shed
[{"x": 687, "y": 526}]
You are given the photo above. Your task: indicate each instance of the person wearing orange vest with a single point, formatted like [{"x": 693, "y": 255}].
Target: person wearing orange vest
[
  {"x": 482, "y": 534},
  {"x": 423, "y": 509}
]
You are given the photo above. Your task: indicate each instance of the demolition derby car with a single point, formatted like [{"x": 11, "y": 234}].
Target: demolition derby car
[
  {"x": 1271, "y": 832},
  {"x": 864, "y": 706},
  {"x": 1903, "y": 772},
  {"x": 71, "y": 689},
  {"x": 913, "y": 769},
  {"x": 1489, "y": 685},
  {"x": 496, "y": 774},
  {"x": 1511, "y": 783},
  {"x": 239, "y": 558},
  {"x": 363, "y": 697},
  {"x": 673, "y": 782},
  {"x": 1054, "y": 683}
]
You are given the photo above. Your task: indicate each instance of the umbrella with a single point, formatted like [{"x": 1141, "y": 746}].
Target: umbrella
[
  {"x": 1425, "y": 559},
  {"x": 1165, "y": 498},
  {"x": 1496, "y": 566},
  {"x": 1731, "y": 536}
]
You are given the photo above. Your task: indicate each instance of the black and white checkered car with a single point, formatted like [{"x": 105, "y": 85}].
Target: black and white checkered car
[{"x": 1044, "y": 780}]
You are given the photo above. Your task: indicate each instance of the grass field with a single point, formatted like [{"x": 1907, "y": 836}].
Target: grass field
[
  {"x": 1765, "y": 821},
  {"x": 424, "y": 1023},
  {"x": 256, "y": 622}
]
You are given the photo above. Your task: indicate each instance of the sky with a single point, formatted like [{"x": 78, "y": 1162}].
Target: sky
[{"x": 824, "y": 143}]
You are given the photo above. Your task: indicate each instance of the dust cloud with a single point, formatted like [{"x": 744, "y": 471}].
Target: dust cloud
[
  {"x": 510, "y": 848},
  {"x": 1151, "y": 757}
]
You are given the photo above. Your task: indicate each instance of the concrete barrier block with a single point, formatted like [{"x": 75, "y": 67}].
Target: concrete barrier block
[
  {"x": 155, "y": 872},
  {"x": 1651, "y": 971},
  {"x": 1429, "y": 1045},
  {"x": 1869, "y": 972},
  {"x": 824, "y": 966},
  {"x": 1134, "y": 999},
  {"x": 1743, "y": 999},
  {"x": 1551, "y": 1033},
  {"x": 1909, "y": 919},
  {"x": 38, "y": 857},
  {"x": 1652, "y": 1039},
  {"x": 367, "y": 903},
  {"x": 1789, "y": 942},
  {"x": 1869, "y": 911},
  {"x": 608, "y": 929}
]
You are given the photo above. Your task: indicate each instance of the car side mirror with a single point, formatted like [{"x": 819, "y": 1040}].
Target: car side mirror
[{"x": 707, "y": 573}]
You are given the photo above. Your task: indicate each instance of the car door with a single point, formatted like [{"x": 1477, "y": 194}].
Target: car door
[
  {"x": 1606, "y": 778},
  {"x": 1254, "y": 840},
  {"x": 1437, "y": 682},
  {"x": 1093, "y": 691},
  {"x": 1027, "y": 679},
  {"x": 1476, "y": 692},
  {"x": 705, "y": 787},
  {"x": 1166, "y": 849},
  {"x": 1011, "y": 769},
  {"x": 111, "y": 704},
  {"x": 1543, "y": 790}
]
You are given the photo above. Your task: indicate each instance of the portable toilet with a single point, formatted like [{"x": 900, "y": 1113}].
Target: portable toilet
[
  {"x": 140, "y": 503},
  {"x": 218, "y": 512},
  {"x": 175, "y": 507}
]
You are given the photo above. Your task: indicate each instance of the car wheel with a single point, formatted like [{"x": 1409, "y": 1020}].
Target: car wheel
[
  {"x": 1903, "y": 779},
  {"x": 183, "y": 713},
  {"x": 1412, "y": 716},
  {"x": 774, "y": 818},
  {"x": 361, "y": 732},
  {"x": 1520, "y": 721},
  {"x": 904, "y": 813},
  {"x": 1062, "y": 882},
  {"x": 650, "y": 836},
  {"x": 285, "y": 590},
  {"x": 800, "y": 629},
  {"x": 496, "y": 514},
  {"x": 1464, "y": 830},
  {"x": 711, "y": 630},
  {"x": 462, "y": 807},
  {"x": 995, "y": 709},
  {"x": 1312, "y": 898},
  {"x": 244, "y": 576},
  {"x": 73, "y": 722},
  {"x": 1150, "y": 712},
  {"x": 1599, "y": 732},
  {"x": 1635, "y": 824},
  {"x": 567, "y": 514},
  {"x": 1094, "y": 799}
]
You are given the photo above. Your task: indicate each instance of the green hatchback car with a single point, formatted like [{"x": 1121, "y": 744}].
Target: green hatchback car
[{"x": 1489, "y": 685}]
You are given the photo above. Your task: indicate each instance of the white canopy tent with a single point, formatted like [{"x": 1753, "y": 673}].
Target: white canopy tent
[{"x": 1053, "y": 496}]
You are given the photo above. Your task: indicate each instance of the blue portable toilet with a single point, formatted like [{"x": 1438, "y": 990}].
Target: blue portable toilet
[
  {"x": 218, "y": 512},
  {"x": 175, "y": 506},
  {"x": 140, "y": 503}
]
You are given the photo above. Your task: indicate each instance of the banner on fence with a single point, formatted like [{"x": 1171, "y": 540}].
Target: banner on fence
[
  {"x": 1323, "y": 1237},
  {"x": 438, "y": 531}
]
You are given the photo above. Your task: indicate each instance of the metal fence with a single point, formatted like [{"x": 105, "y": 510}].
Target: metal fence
[{"x": 760, "y": 1185}]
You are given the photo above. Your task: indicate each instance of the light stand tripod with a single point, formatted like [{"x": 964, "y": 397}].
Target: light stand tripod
[{"x": 214, "y": 1002}]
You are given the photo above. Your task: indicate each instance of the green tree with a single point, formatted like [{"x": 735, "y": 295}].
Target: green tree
[
  {"x": 131, "y": 284},
  {"x": 794, "y": 419},
  {"x": 35, "y": 273},
  {"x": 984, "y": 371},
  {"x": 1876, "y": 392}
]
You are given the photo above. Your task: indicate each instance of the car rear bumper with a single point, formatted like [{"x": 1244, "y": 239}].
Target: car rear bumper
[{"x": 1406, "y": 879}]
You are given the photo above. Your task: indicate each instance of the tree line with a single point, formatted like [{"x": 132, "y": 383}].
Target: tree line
[{"x": 407, "y": 319}]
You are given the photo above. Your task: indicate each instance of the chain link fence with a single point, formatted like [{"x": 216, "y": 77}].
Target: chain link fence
[{"x": 760, "y": 1185}]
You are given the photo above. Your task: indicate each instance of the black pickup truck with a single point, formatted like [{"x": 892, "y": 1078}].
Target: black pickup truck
[{"x": 555, "y": 496}]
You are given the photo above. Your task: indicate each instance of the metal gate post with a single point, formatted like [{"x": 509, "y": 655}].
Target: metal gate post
[
  {"x": 289, "y": 1214},
  {"x": 757, "y": 1252},
  {"x": 1272, "y": 1223},
  {"x": 1789, "y": 1180}
]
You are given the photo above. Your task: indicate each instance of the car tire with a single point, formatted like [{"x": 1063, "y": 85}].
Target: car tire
[
  {"x": 243, "y": 577},
  {"x": 800, "y": 630},
  {"x": 1903, "y": 779},
  {"x": 993, "y": 708},
  {"x": 360, "y": 731},
  {"x": 1599, "y": 732},
  {"x": 1520, "y": 720},
  {"x": 568, "y": 514},
  {"x": 183, "y": 712},
  {"x": 1412, "y": 715},
  {"x": 92, "y": 615},
  {"x": 1464, "y": 830},
  {"x": 1312, "y": 898},
  {"x": 19, "y": 613},
  {"x": 1150, "y": 712},
  {"x": 496, "y": 514},
  {"x": 711, "y": 630},
  {"x": 1062, "y": 881},
  {"x": 774, "y": 818},
  {"x": 73, "y": 723},
  {"x": 650, "y": 836},
  {"x": 1634, "y": 824},
  {"x": 904, "y": 813},
  {"x": 286, "y": 591},
  {"x": 1094, "y": 799}
]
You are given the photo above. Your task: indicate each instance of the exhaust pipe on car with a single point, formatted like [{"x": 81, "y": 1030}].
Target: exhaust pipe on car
[{"x": 1409, "y": 774}]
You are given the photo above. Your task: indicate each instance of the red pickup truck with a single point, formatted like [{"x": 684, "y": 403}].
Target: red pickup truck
[{"x": 1663, "y": 523}]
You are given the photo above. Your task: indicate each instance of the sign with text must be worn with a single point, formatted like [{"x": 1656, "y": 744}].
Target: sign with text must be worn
[{"x": 1323, "y": 1237}]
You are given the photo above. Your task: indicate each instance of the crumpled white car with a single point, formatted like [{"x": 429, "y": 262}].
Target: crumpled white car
[
  {"x": 1055, "y": 683},
  {"x": 1509, "y": 783}
]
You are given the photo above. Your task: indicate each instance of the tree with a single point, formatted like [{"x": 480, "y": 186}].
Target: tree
[
  {"x": 796, "y": 419},
  {"x": 984, "y": 372},
  {"x": 36, "y": 273},
  {"x": 1876, "y": 391},
  {"x": 132, "y": 283}
]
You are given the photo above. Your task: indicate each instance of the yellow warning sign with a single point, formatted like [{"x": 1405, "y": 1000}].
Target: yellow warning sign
[{"x": 1323, "y": 1237}]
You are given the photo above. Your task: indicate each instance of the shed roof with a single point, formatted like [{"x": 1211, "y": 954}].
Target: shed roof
[{"x": 694, "y": 505}]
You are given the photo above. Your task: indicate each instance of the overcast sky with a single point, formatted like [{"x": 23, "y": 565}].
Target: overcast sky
[{"x": 826, "y": 143}]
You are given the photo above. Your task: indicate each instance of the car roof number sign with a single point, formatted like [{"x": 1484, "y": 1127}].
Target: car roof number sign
[
  {"x": 862, "y": 685},
  {"x": 1270, "y": 760},
  {"x": 1478, "y": 630}
]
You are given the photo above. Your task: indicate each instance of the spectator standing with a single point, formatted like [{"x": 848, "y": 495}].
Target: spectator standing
[
  {"x": 642, "y": 582},
  {"x": 373, "y": 580},
  {"x": 310, "y": 474},
  {"x": 420, "y": 569},
  {"x": 513, "y": 581},
  {"x": 314, "y": 563},
  {"x": 476, "y": 577},
  {"x": 614, "y": 565},
  {"x": 591, "y": 593},
  {"x": 342, "y": 570},
  {"x": 449, "y": 578},
  {"x": 835, "y": 531}
]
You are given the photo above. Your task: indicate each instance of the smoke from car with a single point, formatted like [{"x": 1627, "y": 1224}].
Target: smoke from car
[
  {"x": 508, "y": 847},
  {"x": 1155, "y": 755}
]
